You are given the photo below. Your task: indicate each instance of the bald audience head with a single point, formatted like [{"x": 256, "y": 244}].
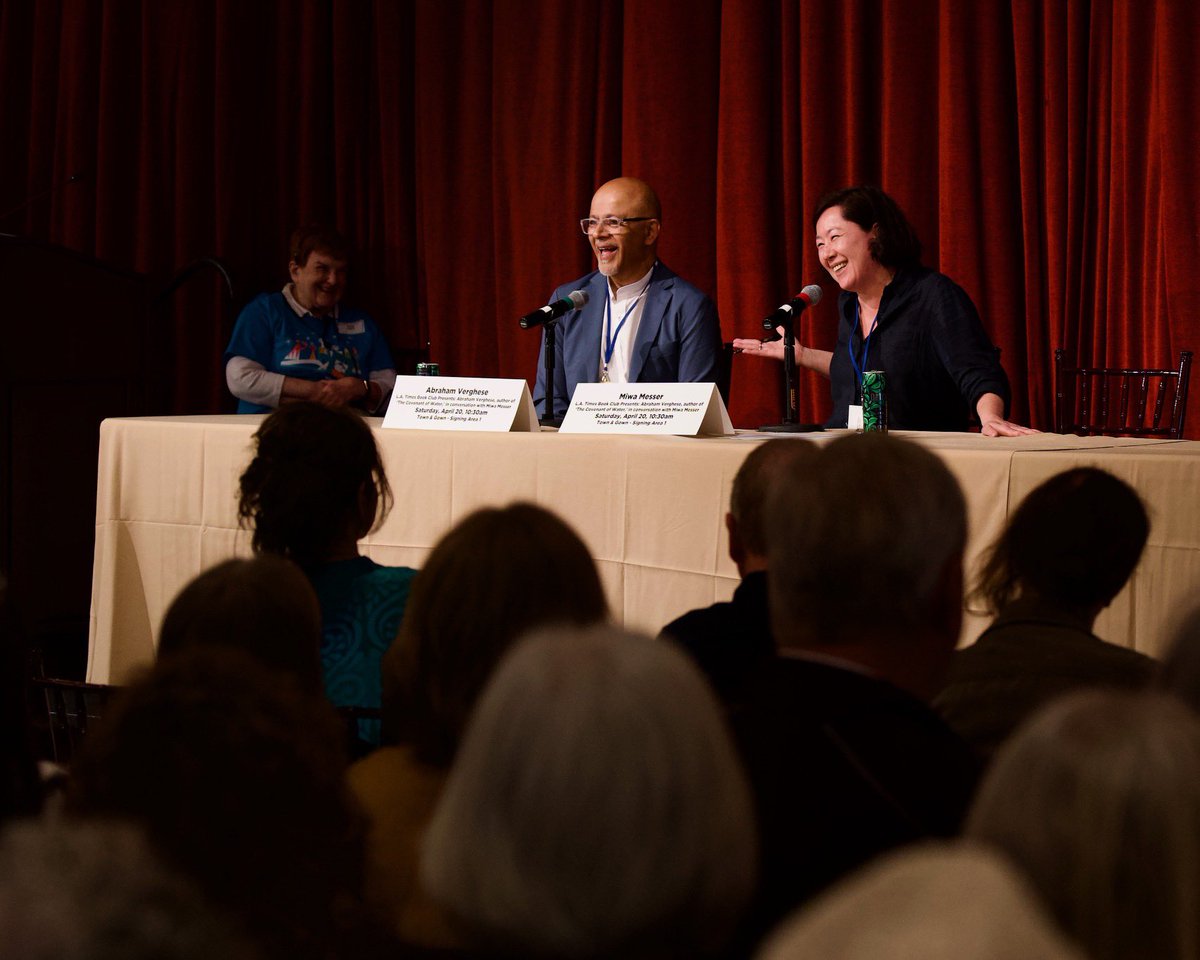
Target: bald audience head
[
  {"x": 748, "y": 514},
  {"x": 865, "y": 552}
]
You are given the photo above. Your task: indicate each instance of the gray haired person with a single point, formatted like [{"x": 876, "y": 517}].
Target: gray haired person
[
  {"x": 596, "y": 807},
  {"x": 1097, "y": 801}
]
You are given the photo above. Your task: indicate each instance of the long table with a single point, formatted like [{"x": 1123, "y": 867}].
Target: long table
[{"x": 650, "y": 509}]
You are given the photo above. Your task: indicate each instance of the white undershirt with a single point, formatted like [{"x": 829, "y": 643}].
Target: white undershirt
[{"x": 618, "y": 302}]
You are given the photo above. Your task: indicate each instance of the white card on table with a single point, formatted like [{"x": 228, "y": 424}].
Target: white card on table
[
  {"x": 664, "y": 409},
  {"x": 461, "y": 403}
]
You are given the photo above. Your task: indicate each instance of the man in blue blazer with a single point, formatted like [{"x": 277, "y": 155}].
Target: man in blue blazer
[{"x": 641, "y": 323}]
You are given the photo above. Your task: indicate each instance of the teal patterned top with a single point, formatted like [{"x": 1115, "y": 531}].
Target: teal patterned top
[{"x": 362, "y": 604}]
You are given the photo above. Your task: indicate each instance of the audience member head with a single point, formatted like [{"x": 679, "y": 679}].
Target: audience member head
[
  {"x": 1180, "y": 671},
  {"x": 865, "y": 551},
  {"x": 1097, "y": 800},
  {"x": 748, "y": 501},
  {"x": 236, "y": 774},
  {"x": 316, "y": 485},
  {"x": 96, "y": 891},
  {"x": 497, "y": 574},
  {"x": 264, "y": 606},
  {"x": 936, "y": 902},
  {"x": 596, "y": 808},
  {"x": 894, "y": 242},
  {"x": 1072, "y": 543}
]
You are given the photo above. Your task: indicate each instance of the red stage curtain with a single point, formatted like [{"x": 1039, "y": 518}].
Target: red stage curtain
[{"x": 1046, "y": 151}]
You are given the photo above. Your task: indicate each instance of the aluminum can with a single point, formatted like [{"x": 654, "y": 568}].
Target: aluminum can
[{"x": 874, "y": 401}]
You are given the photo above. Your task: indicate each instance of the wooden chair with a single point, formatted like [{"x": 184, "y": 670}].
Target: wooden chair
[
  {"x": 71, "y": 707},
  {"x": 1121, "y": 401}
]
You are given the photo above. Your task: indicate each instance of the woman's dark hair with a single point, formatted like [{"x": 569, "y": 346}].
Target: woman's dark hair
[
  {"x": 317, "y": 238},
  {"x": 316, "y": 476},
  {"x": 264, "y": 606},
  {"x": 895, "y": 243},
  {"x": 496, "y": 575},
  {"x": 1073, "y": 542}
]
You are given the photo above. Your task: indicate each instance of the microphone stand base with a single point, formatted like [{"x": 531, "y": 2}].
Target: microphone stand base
[
  {"x": 791, "y": 428},
  {"x": 550, "y": 421}
]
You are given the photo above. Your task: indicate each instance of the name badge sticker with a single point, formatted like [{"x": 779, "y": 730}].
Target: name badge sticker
[{"x": 351, "y": 327}]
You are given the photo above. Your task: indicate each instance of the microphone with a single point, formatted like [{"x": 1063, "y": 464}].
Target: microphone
[
  {"x": 810, "y": 296},
  {"x": 552, "y": 311}
]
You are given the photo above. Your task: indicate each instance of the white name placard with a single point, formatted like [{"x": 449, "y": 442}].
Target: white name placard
[
  {"x": 461, "y": 403},
  {"x": 672, "y": 409}
]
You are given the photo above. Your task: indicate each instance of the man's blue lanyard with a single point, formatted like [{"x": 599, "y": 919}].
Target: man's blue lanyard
[
  {"x": 860, "y": 365},
  {"x": 610, "y": 339}
]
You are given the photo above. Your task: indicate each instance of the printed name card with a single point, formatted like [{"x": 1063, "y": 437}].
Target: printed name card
[
  {"x": 461, "y": 403},
  {"x": 670, "y": 409}
]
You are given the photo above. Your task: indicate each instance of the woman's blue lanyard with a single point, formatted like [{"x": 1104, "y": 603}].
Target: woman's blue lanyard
[
  {"x": 610, "y": 338},
  {"x": 860, "y": 365}
]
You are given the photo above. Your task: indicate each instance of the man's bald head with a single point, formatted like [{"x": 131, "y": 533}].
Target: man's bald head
[
  {"x": 636, "y": 192},
  {"x": 626, "y": 251}
]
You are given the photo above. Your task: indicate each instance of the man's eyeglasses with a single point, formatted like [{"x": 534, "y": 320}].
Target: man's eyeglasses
[{"x": 590, "y": 225}]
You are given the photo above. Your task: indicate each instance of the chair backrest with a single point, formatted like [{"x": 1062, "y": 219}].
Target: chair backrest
[
  {"x": 1119, "y": 401},
  {"x": 70, "y": 708}
]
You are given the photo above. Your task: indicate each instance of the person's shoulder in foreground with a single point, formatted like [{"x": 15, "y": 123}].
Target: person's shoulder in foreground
[{"x": 728, "y": 640}]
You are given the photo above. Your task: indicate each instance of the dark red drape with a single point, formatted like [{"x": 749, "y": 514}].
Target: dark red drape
[{"x": 1044, "y": 150}]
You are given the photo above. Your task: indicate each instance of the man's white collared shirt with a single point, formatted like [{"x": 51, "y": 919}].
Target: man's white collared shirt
[{"x": 628, "y": 302}]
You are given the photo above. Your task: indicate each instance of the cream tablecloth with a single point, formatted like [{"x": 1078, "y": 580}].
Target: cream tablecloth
[{"x": 650, "y": 509}]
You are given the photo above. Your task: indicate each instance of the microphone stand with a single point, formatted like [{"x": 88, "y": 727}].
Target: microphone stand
[
  {"x": 548, "y": 419},
  {"x": 791, "y": 422}
]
